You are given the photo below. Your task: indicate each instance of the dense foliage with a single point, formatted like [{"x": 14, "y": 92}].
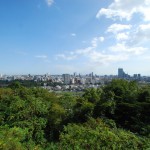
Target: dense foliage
[
  {"x": 113, "y": 117},
  {"x": 29, "y": 83}
]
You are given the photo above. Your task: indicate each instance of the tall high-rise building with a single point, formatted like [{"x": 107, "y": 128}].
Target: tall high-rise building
[
  {"x": 66, "y": 78},
  {"x": 121, "y": 73}
]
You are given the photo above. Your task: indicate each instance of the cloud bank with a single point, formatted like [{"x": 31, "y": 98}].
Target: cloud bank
[{"x": 122, "y": 40}]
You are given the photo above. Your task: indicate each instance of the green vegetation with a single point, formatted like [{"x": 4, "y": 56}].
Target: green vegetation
[
  {"x": 114, "y": 117},
  {"x": 29, "y": 83}
]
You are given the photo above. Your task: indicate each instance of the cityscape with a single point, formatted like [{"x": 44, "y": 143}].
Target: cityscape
[
  {"x": 74, "y": 75},
  {"x": 74, "y": 82}
]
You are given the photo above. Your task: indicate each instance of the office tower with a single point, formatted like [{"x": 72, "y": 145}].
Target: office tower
[
  {"x": 66, "y": 78},
  {"x": 121, "y": 73}
]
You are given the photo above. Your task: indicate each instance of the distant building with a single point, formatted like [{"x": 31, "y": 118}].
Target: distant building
[
  {"x": 135, "y": 76},
  {"x": 83, "y": 80},
  {"x": 121, "y": 73},
  {"x": 72, "y": 81},
  {"x": 75, "y": 74},
  {"x": 88, "y": 80},
  {"x": 139, "y": 76},
  {"x": 66, "y": 78}
]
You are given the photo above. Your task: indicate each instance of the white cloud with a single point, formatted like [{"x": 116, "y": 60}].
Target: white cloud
[
  {"x": 141, "y": 35},
  {"x": 124, "y": 49},
  {"x": 96, "y": 40},
  {"x": 116, "y": 53},
  {"x": 73, "y": 34},
  {"x": 65, "y": 57},
  {"x": 114, "y": 14},
  {"x": 82, "y": 51},
  {"x": 114, "y": 28},
  {"x": 145, "y": 11},
  {"x": 124, "y": 36},
  {"x": 143, "y": 32},
  {"x": 41, "y": 56},
  {"x": 100, "y": 58},
  {"x": 49, "y": 2},
  {"x": 128, "y": 38},
  {"x": 130, "y": 34},
  {"x": 101, "y": 38},
  {"x": 144, "y": 27},
  {"x": 125, "y": 9}
]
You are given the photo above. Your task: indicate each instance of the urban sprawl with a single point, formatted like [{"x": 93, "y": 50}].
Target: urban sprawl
[{"x": 75, "y": 82}]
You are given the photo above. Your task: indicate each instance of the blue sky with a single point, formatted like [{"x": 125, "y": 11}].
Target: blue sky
[{"x": 66, "y": 36}]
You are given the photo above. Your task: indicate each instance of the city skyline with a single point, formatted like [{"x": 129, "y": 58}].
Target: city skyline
[
  {"x": 120, "y": 73},
  {"x": 57, "y": 37}
]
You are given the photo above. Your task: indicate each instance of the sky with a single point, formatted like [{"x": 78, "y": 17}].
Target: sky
[{"x": 67, "y": 36}]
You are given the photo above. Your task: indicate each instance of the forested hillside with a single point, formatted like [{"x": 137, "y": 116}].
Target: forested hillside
[{"x": 116, "y": 117}]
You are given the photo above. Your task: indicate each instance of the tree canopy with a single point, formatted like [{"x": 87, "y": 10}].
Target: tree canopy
[{"x": 115, "y": 116}]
